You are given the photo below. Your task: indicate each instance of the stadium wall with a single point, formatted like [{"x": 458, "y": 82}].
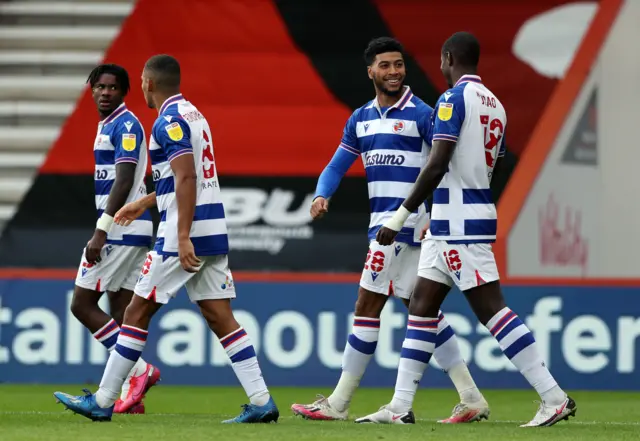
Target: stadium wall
[
  {"x": 299, "y": 329},
  {"x": 277, "y": 89},
  {"x": 570, "y": 211}
]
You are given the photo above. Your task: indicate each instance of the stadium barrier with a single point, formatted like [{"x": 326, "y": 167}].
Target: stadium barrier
[{"x": 587, "y": 335}]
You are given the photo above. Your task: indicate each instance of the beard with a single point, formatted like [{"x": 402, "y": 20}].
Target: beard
[{"x": 380, "y": 84}]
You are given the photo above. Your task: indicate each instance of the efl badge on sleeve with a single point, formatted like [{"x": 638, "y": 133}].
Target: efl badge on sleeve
[
  {"x": 445, "y": 110},
  {"x": 175, "y": 131},
  {"x": 129, "y": 142}
]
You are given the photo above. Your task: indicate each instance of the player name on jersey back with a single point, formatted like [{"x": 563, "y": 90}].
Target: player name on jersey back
[
  {"x": 179, "y": 130},
  {"x": 470, "y": 115},
  {"x": 393, "y": 148},
  {"x": 120, "y": 139}
]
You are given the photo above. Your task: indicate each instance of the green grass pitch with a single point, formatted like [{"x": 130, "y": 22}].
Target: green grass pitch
[{"x": 194, "y": 413}]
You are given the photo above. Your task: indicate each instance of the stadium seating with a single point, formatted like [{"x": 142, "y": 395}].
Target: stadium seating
[{"x": 46, "y": 50}]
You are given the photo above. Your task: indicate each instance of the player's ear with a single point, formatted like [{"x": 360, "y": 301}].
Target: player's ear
[
  {"x": 449, "y": 59},
  {"x": 370, "y": 72}
]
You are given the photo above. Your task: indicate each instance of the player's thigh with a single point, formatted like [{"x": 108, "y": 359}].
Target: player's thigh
[
  {"x": 161, "y": 277},
  {"x": 404, "y": 269},
  {"x": 213, "y": 281},
  {"x": 427, "y": 297}
]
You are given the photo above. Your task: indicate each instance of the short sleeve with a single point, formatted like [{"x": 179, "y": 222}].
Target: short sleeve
[
  {"x": 127, "y": 140},
  {"x": 423, "y": 121},
  {"x": 349, "y": 140},
  {"x": 173, "y": 136},
  {"x": 449, "y": 116}
]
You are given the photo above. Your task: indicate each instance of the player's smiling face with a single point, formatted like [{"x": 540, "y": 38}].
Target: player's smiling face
[
  {"x": 107, "y": 94},
  {"x": 387, "y": 72}
]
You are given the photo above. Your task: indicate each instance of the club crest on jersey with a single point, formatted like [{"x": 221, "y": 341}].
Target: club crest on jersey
[
  {"x": 445, "y": 111},
  {"x": 129, "y": 142},
  {"x": 398, "y": 127},
  {"x": 175, "y": 131}
]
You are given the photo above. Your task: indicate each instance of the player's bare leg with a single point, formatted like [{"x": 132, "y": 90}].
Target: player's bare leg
[
  {"x": 118, "y": 302},
  {"x": 518, "y": 344},
  {"x": 84, "y": 306},
  {"x": 138, "y": 381},
  {"x": 237, "y": 344}
]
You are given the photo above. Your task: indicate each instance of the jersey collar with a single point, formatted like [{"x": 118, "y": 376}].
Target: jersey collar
[
  {"x": 122, "y": 108},
  {"x": 171, "y": 100},
  {"x": 468, "y": 79},
  {"x": 400, "y": 104}
]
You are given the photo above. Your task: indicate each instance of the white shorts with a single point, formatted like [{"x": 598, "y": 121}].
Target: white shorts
[
  {"x": 390, "y": 269},
  {"x": 118, "y": 269},
  {"x": 162, "y": 277},
  {"x": 467, "y": 266}
]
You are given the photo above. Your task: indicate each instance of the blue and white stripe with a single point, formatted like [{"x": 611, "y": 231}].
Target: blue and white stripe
[
  {"x": 140, "y": 231},
  {"x": 419, "y": 342},
  {"x": 208, "y": 229},
  {"x": 463, "y": 208},
  {"x": 393, "y": 148},
  {"x": 512, "y": 334}
]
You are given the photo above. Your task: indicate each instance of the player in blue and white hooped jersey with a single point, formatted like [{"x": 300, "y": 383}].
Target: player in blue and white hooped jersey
[
  {"x": 469, "y": 124},
  {"x": 113, "y": 257},
  {"x": 390, "y": 135},
  {"x": 191, "y": 249}
]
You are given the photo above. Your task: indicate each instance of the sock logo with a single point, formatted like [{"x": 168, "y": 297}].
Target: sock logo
[{"x": 453, "y": 262}]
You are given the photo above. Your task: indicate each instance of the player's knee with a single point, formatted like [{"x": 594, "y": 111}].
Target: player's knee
[
  {"x": 219, "y": 316},
  {"x": 138, "y": 313},
  {"x": 118, "y": 302},
  {"x": 369, "y": 304},
  {"x": 82, "y": 303},
  {"x": 486, "y": 301}
]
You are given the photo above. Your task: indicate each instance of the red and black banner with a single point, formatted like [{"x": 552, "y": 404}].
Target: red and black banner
[{"x": 277, "y": 80}]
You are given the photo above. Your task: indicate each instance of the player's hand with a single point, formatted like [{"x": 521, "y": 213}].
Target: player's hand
[
  {"x": 319, "y": 207},
  {"x": 423, "y": 232},
  {"x": 188, "y": 259},
  {"x": 94, "y": 247},
  {"x": 128, "y": 213},
  {"x": 386, "y": 236}
]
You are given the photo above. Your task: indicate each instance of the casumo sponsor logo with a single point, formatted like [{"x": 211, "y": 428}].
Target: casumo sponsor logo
[
  {"x": 264, "y": 221},
  {"x": 372, "y": 159},
  {"x": 290, "y": 339}
]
